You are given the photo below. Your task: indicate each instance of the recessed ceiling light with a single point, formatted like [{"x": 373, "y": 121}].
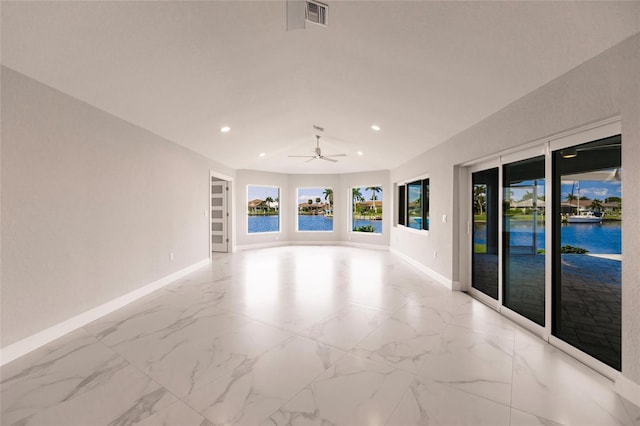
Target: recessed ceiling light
[
  {"x": 360, "y": 153},
  {"x": 225, "y": 129},
  {"x": 262, "y": 154},
  {"x": 375, "y": 127}
]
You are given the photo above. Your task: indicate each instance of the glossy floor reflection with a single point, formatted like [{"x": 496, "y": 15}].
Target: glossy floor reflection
[{"x": 306, "y": 335}]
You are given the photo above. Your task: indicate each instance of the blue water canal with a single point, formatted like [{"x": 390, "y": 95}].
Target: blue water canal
[
  {"x": 315, "y": 223},
  {"x": 604, "y": 238},
  {"x": 259, "y": 224},
  {"x": 263, "y": 224}
]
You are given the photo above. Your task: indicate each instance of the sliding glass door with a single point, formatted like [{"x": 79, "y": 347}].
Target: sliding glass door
[
  {"x": 524, "y": 238},
  {"x": 546, "y": 236},
  {"x": 587, "y": 247},
  {"x": 484, "y": 263}
]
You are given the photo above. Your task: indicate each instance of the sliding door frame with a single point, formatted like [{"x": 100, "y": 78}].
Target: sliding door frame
[
  {"x": 487, "y": 300},
  {"x": 546, "y": 147},
  {"x": 540, "y": 148},
  {"x": 602, "y": 130}
]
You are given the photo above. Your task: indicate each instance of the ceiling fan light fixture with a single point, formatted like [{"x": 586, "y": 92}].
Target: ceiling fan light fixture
[{"x": 317, "y": 154}]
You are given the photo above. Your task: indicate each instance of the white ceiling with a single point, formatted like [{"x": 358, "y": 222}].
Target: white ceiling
[{"x": 423, "y": 71}]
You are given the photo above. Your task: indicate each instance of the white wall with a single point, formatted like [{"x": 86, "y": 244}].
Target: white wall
[
  {"x": 289, "y": 184},
  {"x": 91, "y": 207},
  {"x": 603, "y": 87}
]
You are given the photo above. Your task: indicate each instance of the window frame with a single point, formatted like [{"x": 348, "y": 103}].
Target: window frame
[
  {"x": 279, "y": 210},
  {"x": 403, "y": 203},
  {"x": 351, "y": 204},
  {"x": 402, "y": 211},
  {"x": 297, "y": 209}
]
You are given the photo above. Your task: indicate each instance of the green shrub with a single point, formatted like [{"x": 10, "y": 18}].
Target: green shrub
[
  {"x": 573, "y": 250},
  {"x": 365, "y": 228}
]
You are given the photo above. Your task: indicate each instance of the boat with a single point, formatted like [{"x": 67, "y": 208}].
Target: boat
[
  {"x": 586, "y": 217},
  {"x": 583, "y": 216}
]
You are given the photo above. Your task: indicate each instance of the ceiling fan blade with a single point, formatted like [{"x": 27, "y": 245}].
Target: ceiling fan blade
[
  {"x": 310, "y": 159},
  {"x": 336, "y": 155},
  {"x": 329, "y": 159}
]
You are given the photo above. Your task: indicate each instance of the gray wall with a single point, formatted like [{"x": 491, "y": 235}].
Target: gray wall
[
  {"x": 341, "y": 185},
  {"x": 603, "y": 87},
  {"x": 92, "y": 206}
]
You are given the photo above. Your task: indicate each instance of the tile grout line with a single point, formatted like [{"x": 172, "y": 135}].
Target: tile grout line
[
  {"x": 308, "y": 384},
  {"x": 178, "y": 399},
  {"x": 395, "y": 407}
]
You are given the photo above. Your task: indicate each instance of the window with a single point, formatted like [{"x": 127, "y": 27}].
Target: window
[
  {"x": 315, "y": 209},
  {"x": 401, "y": 201},
  {"x": 366, "y": 209},
  {"x": 263, "y": 209},
  {"x": 413, "y": 208}
]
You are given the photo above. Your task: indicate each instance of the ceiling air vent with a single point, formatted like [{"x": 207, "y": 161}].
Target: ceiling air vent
[{"x": 317, "y": 13}]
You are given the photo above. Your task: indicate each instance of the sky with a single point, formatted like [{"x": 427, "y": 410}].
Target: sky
[
  {"x": 261, "y": 192},
  {"x": 304, "y": 194},
  {"x": 588, "y": 188},
  {"x": 366, "y": 193},
  {"x": 415, "y": 192},
  {"x": 592, "y": 189}
]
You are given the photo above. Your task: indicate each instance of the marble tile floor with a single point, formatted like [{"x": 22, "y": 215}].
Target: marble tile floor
[{"x": 310, "y": 335}]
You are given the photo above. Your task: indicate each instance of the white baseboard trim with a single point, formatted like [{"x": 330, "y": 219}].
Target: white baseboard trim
[
  {"x": 312, "y": 243},
  {"x": 364, "y": 245},
  {"x": 28, "y": 344},
  {"x": 628, "y": 389},
  {"x": 261, "y": 245},
  {"x": 433, "y": 274}
]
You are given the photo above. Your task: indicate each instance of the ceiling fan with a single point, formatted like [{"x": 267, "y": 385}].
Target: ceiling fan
[{"x": 318, "y": 154}]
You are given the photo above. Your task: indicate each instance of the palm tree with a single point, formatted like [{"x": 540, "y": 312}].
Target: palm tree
[
  {"x": 527, "y": 196},
  {"x": 268, "y": 202},
  {"x": 479, "y": 197},
  {"x": 356, "y": 197},
  {"x": 374, "y": 191},
  {"x": 596, "y": 205},
  {"x": 328, "y": 196}
]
